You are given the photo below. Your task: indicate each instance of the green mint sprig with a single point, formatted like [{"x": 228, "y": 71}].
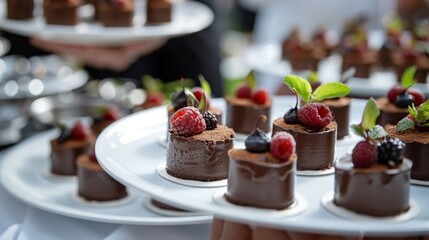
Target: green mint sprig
[
  {"x": 407, "y": 78},
  {"x": 367, "y": 128},
  {"x": 419, "y": 117},
  {"x": 325, "y": 91},
  {"x": 205, "y": 85},
  {"x": 250, "y": 80}
]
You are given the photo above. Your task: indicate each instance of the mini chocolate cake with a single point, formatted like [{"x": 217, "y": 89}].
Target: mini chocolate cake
[
  {"x": 158, "y": 11},
  {"x": 241, "y": 114},
  {"x": 201, "y": 157},
  {"x": 215, "y": 111},
  {"x": 376, "y": 191},
  {"x": 306, "y": 57},
  {"x": 417, "y": 150},
  {"x": 94, "y": 184},
  {"x": 20, "y": 9},
  {"x": 363, "y": 61},
  {"x": 401, "y": 60},
  {"x": 389, "y": 113},
  {"x": 107, "y": 116},
  {"x": 260, "y": 180},
  {"x": 316, "y": 150},
  {"x": 61, "y": 12},
  {"x": 116, "y": 13},
  {"x": 290, "y": 43},
  {"x": 340, "y": 109},
  {"x": 64, "y": 155}
]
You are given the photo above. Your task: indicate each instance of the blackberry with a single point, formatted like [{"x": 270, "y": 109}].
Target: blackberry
[
  {"x": 211, "y": 120},
  {"x": 391, "y": 152},
  {"x": 64, "y": 135}
]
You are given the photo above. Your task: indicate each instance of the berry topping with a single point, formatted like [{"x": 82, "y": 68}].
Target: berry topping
[
  {"x": 314, "y": 116},
  {"x": 153, "y": 99},
  {"x": 111, "y": 114},
  {"x": 404, "y": 100},
  {"x": 80, "y": 131},
  {"x": 91, "y": 152},
  {"x": 257, "y": 141},
  {"x": 291, "y": 116},
  {"x": 418, "y": 119},
  {"x": 364, "y": 154},
  {"x": 418, "y": 95},
  {"x": 394, "y": 92},
  {"x": 187, "y": 121},
  {"x": 210, "y": 120},
  {"x": 243, "y": 91},
  {"x": 198, "y": 92},
  {"x": 391, "y": 152},
  {"x": 282, "y": 146},
  {"x": 260, "y": 96}
]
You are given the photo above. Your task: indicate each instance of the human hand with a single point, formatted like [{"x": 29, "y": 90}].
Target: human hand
[{"x": 116, "y": 58}]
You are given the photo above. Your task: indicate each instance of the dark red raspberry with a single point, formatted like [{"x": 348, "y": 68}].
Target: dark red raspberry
[
  {"x": 260, "y": 96},
  {"x": 243, "y": 91},
  {"x": 314, "y": 116},
  {"x": 282, "y": 146},
  {"x": 111, "y": 114},
  {"x": 80, "y": 131},
  {"x": 198, "y": 93},
  {"x": 364, "y": 154},
  {"x": 187, "y": 121},
  {"x": 419, "y": 96},
  {"x": 394, "y": 92},
  {"x": 153, "y": 99}
]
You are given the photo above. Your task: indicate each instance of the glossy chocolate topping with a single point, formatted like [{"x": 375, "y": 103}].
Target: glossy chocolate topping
[
  {"x": 315, "y": 150},
  {"x": 376, "y": 191},
  {"x": 241, "y": 115},
  {"x": 158, "y": 11},
  {"x": 389, "y": 113},
  {"x": 340, "y": 109},
  {"x": 202, "y": 157},
  {"x": 60, "y": 13},
  {"x": 255, "y": 181},
  {"x": 20, "y": 9},
  {"x": 63, "y": 155},
  {"x": 94, "y": 184}
]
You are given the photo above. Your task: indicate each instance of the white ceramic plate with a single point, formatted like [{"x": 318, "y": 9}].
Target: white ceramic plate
[
  {"x": 188, "y": 17},
  {"x": 129, "y": 150},
  {"x": 23, "y": 174}
]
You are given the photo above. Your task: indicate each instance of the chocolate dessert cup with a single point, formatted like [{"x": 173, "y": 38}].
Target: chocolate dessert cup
[
  {"x": 61, "y": 12},
  {"x": 340, "y": 109},
  {"x": 113, "y": 14},
  {"x": 389, "y": 112},
  {"x": 158, "y": 11},
  {"x": 20, "y": 9},
  {"x": 64, "y": 155}
]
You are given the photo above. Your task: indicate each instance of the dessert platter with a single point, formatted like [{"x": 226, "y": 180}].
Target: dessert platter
[
  {"x": 136, "y": 137},
  {"x": 25, "y": 174},
  {"x": 186, "y": 17}
]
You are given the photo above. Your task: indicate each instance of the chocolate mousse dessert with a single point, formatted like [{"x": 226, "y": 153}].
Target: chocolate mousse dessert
[
  {"x": 67, "y": 147},
  {"x": 107, "y": 116},
  {"x": 61, "y": 12},
  {"x": 158, "y": 11},
  {"x": 392, "y": 44},
  {"x": 263, "y": 174},
  {"x": 20, "y": 9},
  {"x": 94, "y": 184},
  {"x": 116, "y": 13},
  {"x": 405, "y": 58}
]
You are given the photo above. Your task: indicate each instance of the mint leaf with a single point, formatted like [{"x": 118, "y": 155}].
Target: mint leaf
[
  {"x": 202, "y": 106},
  {"x": 377, "y": 132},
  {"x": 404, "y": 124},
  {"x": 312, "y": 77},
  {"x": 250, "y": 80},
  {"x": 358, "y": 130},
  {"x": 370, "y": 114},
  {"x": 407, "y": 79},
  {"x": 422, "y": 114},
  {"x": 412, "y": 111},
  {"x": 192, "y": 100},
  {"x": 205, "y": 85},
  {"x": 302, "y": 86},
  {"x": 330, "y": 90}
]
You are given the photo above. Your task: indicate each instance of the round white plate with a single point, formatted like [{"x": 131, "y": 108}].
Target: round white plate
[
  {"x": 169, "y": 212},
  {"x": 4, "y": 46},
  {"x": 188, "y": 17},
  {"x": 129, "y": 150},
  {"x": 23, "y": 175},
  {"x": 419, "y": 182},
  {"x": 315, "y": 173}
]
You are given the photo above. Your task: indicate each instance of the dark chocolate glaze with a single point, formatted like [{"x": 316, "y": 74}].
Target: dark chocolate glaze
[
  {"x": 419, "y": 154},
  {"x": 60, "y": 15},
  {"x": 158, "y": 12},
  {"x": 341, "y": 114},
  {"x": 202, "y": 160},
  {"x": 94, "y": 184},
  {"x": 315, "y": 150},
  {"x": 372, "y": 191},
  {"x": 20, "y": 9},
  {"x": 259, "y": 184},
  {"x": 64, "y": 155}
]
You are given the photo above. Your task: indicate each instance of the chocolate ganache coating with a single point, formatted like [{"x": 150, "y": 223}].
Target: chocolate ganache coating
[
  {"x": 389, "y": 113},
  {"x": 20, "y": 9},
  {"x": 202, "y": 157},
  {"x": 241, "y": 114},
  {"x": 255, "y": 180},
  {"x": 94, "y": 184},
  {"x": 64, "y": 155},
  {"x": 316, "y": 150},
  {"x": 340, "y": 109},
  {"x": 61, "y": 13},
  {"x": 376, "y": 191}
]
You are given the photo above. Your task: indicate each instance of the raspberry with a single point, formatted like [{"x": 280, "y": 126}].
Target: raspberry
[
  {"x": 394, "y": 92},
  {"x": 210, "y": 120},
  {"x": 282, "y": 146},
  {"x": 260, "y": 96},
  {"x": 187, "y": 121},
  {"x": 111, "y": 113},
  {"x": 314, "y": 116},
  {"x": 243, "y": 91},
  {"x": 418, "y": 95},
  {"x": 198, "y": 93},
  {"x": 80, "y": 131},
  {"x": 153, "y": 99},
  {"x": 364, "y": 154},
  {"x": 391, "y": 152}
]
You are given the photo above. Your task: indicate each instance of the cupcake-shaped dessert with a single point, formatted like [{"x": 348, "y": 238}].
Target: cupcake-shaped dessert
[
  {"x": 312, "y": 124},
  {"x": 106, "y": 116},
  {"x": 158, "y": 11},
  {"x": 20, "y": 9},
  {"x": 67, "y": 147},
  {"x": 407, "y": 57},
  {"x": 414, "y": 131},
  {"x": 392, "y": 43},
  {"x": 306, "y": 57},
  {"x": 116, "y": 13},
  {"x": 375, "y": 172},
  {"x": 320, "y": 40},
  {"x": 291, "y": 42},
  {"x": 61, "y": 12},
  {"x": 197, "y": 145},
  {"x": 247, "y": 105},
  {"x": 394, "y": 107},
  {"x": 94, "y": 184},
  {"x": 263, "y": 174}
]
